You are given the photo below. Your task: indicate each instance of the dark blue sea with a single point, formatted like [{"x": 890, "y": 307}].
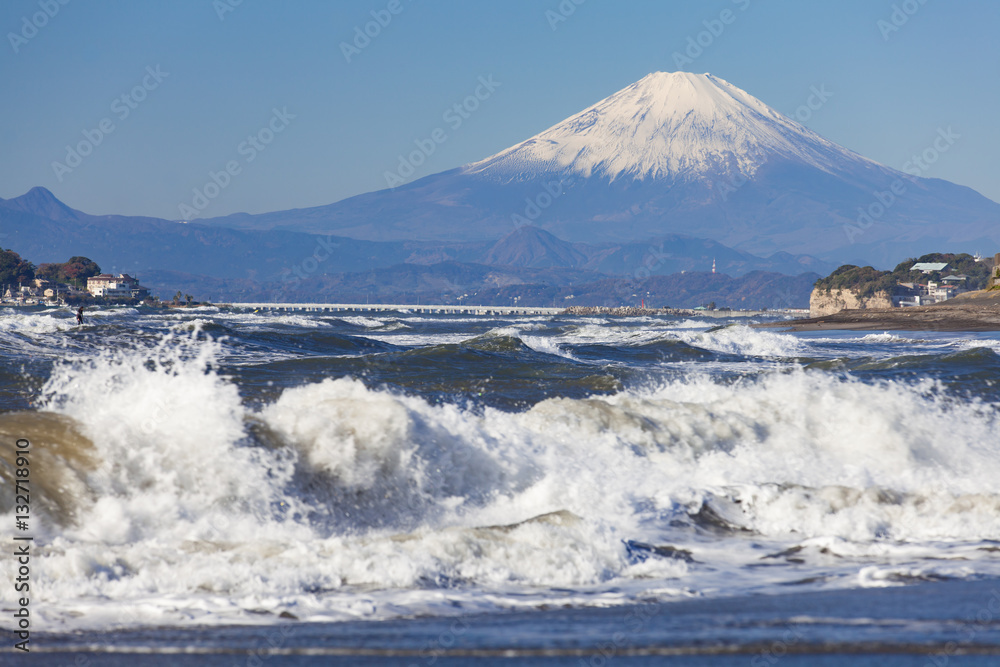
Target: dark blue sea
[{"x": 258, "y": 488}]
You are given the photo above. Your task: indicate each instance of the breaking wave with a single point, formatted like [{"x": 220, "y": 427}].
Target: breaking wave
[{"x": 164, "y": 497}]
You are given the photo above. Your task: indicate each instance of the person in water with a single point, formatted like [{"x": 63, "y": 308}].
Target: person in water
[{"x": 79, "y": 315}]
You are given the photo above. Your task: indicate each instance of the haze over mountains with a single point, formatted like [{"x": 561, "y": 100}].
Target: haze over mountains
[{"x": 614, "y": 190}]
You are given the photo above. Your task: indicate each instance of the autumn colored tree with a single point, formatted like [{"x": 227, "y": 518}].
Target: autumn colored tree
[
  {"x": 76, "y": 270},
  {"x": 48, "y": 272},
  {"x": 80, "y": 268}
]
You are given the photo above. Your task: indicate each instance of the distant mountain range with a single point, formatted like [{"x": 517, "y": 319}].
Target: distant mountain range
[
  {"x": 671, "y": 153},
  {"x": 230, "y": 263}
]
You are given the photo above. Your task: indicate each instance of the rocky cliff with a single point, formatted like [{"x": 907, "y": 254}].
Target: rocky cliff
[{"x": 823, "y": 302}]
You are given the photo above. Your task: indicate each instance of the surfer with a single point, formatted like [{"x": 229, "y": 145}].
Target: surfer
[{"x": 79, "y": 315}]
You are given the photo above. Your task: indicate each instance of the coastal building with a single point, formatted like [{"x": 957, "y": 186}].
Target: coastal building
[
  {"x": 908, "y": 294},
  {"x": 924, "y": 294},
  {"x": 928, "y": 267},
  {"x": 940, "y": 292},
  {"x": 50, "y": 290},
  {"x": 22, "y": 295},
  {"x": 121, "y": 285}
]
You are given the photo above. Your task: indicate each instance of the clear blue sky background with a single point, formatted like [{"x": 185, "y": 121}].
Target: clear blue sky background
[{"x": 890, "y": 96}]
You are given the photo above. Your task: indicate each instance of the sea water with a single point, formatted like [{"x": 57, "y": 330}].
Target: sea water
[{"x": 205, "y": 468}]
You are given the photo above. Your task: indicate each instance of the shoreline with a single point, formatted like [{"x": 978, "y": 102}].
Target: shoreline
[
  {"x": 974, "y": 311},
  {"x": 919, "y": 619}
]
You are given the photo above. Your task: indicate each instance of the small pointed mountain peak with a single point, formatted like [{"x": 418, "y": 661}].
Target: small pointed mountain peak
[{"x": 41, "y": 202}]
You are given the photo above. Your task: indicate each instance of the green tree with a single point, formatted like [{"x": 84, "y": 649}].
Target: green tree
[{"x": 14, "y": 270}]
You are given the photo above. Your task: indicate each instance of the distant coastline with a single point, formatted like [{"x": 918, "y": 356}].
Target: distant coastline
[
  {"x": 973, "y": 311},
  {"x": 631, "y": 311}
]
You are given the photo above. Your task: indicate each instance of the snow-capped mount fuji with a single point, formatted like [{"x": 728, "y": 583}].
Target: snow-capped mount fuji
[
  {"x": 673, "y": 153},
  {"x": 668, "y": 126}
]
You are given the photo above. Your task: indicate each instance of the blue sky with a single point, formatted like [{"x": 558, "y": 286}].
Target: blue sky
[{"x": 329, "y": 125}]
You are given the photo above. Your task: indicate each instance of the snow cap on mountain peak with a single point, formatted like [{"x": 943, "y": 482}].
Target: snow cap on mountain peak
[{"x": 666, "y": 125}]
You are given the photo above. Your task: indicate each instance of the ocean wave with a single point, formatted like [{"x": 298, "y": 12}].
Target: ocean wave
[
  {"x": 884, "y": 337},
  {"x": 743, "y": 340},
  {"x": 163, "y": 486},
  {"x": 264, "y": 318},
  {"x": 362, "y": 321},
  {"x": 12, "y": 320}
]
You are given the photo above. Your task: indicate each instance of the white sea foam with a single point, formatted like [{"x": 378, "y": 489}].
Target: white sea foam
[
  {"x": 110, "y": 313},
  {"x": 362, "y": 321},
  {"x": 735, "y": 339},
  {"x": 417, "y": 339},
  {"x": 690, "y": 324},
  {"x": 884, "y": 337},
  {"x": 13, "y": 321},
  {"x": 190, "y": 518},
  {"x": 743, "y": 340},
  {"x": 595, "y": 334},
  {"x": 970, "y": 344},
  {"x": 546, "y": 345},
  {"x": 41, "y": 333},
  {"x": 543, "y": 344},
  {"x": 261, "y": 319}
]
